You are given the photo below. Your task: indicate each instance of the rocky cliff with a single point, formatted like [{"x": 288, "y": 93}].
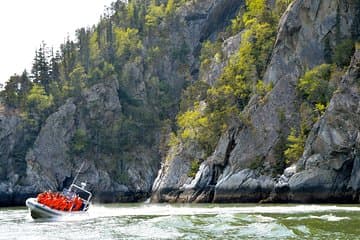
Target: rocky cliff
[
  {"x": 243, "y": 166},
  {"x": 328, "y": 171},
  {"x": 97, "y": 125},
  {"x": 119, "y": 125},
  {"x": 11, "y": 169}
]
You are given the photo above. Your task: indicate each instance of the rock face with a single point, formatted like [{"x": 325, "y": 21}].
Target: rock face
[
  {"x": 11, "y": 165},
  {"x": 51, "y": 166},
  {"x": 329, "y": 167},
  {"x": 173, "y": 174},
  {"x": 242, "y": 167},
  {"x": 229, "y": 47}
]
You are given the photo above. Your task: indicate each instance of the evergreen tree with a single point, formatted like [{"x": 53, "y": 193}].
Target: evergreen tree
[
  {"x": 41, "y": 68},
  {"x": 16, "y": 89},
  {"x": 83, "y": 38},
  {"x": 68, "y": 52},
  {"x": 54, "y": 68}
]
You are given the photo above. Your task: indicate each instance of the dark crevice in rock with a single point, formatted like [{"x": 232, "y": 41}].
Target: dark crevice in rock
[{"x": 196, "y": 17}]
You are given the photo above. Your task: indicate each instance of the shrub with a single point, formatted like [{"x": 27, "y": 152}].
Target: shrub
[
  {"x": 296, "y": 143},
  {"x": 314, "y": 85},
  {"x": 194, "y": 168},
  {"x": 79, "y": 142}
]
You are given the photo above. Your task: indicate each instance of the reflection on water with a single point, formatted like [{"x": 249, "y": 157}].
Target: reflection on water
[{"x": 205, "y": 221}]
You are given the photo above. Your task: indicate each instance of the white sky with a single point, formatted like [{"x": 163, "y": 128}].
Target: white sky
[{"x": 25, "y": 23}]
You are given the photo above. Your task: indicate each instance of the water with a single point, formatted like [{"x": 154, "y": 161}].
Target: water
[{"x": 205, "y": 221}]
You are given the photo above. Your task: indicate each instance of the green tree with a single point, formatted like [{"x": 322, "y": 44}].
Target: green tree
[
  {"x": 295, "y": 147},
  {"x": 94, "y": 47},
  {"x": 83, "y": 41},
  {"x": 314, "y": 85},
  {"x": 38, "y": 105},
  {"x": 170, "y": 7},
  {"x": 154, "y": 16},
  {"x": 68, "y": 52},
  {"x": 40, "y": 72},
  {"x": 79, "y": 142},
  {"x": 77, "y": 80},
  {"x": 16, "y": 90},
  {"x": 127, "y": 43}
]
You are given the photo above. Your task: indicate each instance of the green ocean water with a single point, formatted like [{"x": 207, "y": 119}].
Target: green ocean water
[{"x": 196, "y": 221}]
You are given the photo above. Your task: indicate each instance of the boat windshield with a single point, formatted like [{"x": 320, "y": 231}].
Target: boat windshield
[{"x": 80, "y": 191}]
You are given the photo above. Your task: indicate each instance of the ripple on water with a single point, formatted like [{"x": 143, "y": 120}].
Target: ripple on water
[
  {"x": 189, "y": 222},
  {"x": 327, "y": 217}
]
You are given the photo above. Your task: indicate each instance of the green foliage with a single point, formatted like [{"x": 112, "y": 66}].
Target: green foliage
[
  {"x": 170, "y": 7},
  {"x": 196, "y": 126},
  {"x": 295, "y": 147},
  {"x": 208, "y": 51},
  {"x": 257, "y": 163},
  {"x": 194, "y": 168},
  {"x": 127, "y": 43},
  {"x": 314, "y": 85},
  {"x": 192, "y": 122},
  {"x": 221, "y": 104},
  {"x": 262, "y": 88},
  {"x": 343, "y": 53},
  {"x": 281, "y": 6},
  {"x": 40, "y": 70},
  {"x": 173, "y": 140},
  {"x": 320, "y": 108},
  {"x": 16, "y": 89},
  {"x": 257, "y": 11},
  {"x": 194, "y": 93},
  {"x": 154, "y": 15},
  {"x": 94, "y": 48},
  {"x": 38, "y": 101},
  {"x": 237, "y": 25},
  {"x": 316, "y": 89},
  {"x": 77, "y": 80},
  {"x": 79, "y": 142}
]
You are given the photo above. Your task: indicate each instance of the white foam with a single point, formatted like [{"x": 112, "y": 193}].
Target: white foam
[
  {"x": 167, "y": 210},
  {"x": 327, "y": 217}
]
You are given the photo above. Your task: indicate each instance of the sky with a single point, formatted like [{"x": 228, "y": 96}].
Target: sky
[{"x": 24, "y": 24}]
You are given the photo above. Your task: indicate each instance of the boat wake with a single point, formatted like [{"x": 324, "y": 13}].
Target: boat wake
[{"x": 98, "y": 211}]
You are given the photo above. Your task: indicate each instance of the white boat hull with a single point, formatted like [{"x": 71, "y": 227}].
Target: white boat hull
[{"x": 38, "y": 210}]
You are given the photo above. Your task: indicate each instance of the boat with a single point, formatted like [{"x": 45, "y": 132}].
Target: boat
[
  {"x": 74, "y": 201},
  {"x": 40, "y": 210}
]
